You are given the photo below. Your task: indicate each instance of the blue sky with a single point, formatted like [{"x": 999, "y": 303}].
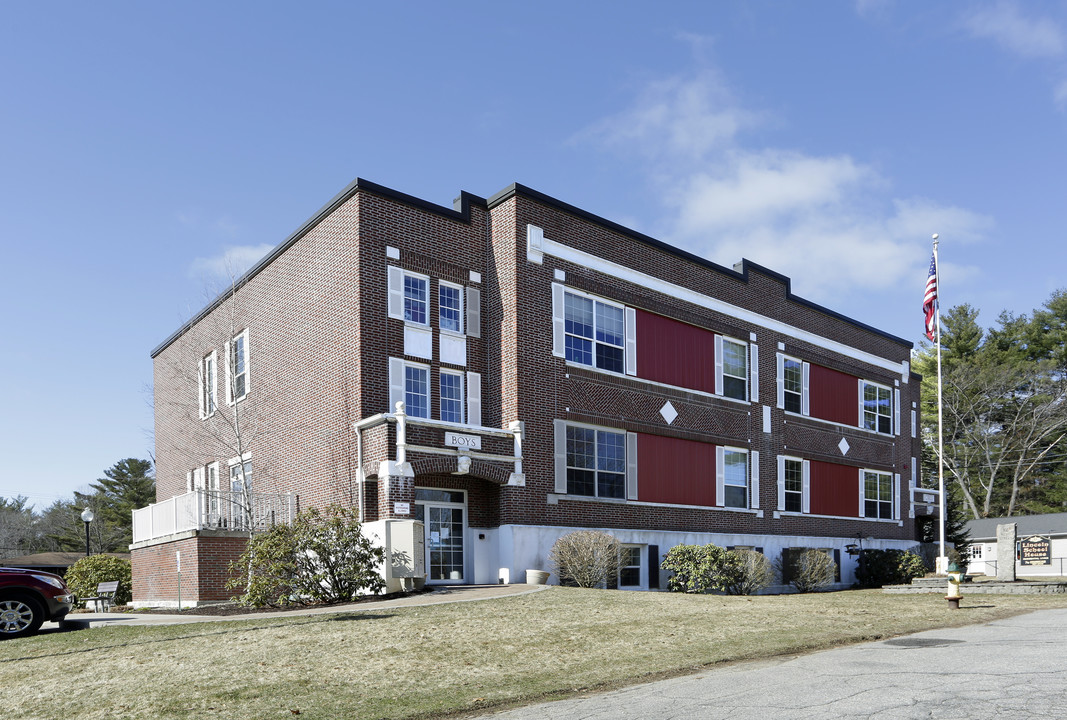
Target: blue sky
[{"x": 145, "y": 145}]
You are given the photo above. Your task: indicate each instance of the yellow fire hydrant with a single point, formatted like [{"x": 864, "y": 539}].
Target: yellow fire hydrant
[{"x": 955, "y": 576}]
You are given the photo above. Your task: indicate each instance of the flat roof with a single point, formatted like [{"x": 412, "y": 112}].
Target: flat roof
[{"x": 461, "y": 213}]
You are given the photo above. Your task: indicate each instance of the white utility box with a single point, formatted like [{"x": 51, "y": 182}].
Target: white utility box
[{"x": 405, "y": 552}]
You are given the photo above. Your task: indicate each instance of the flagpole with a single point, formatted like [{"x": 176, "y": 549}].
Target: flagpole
[{"x": 942, "y": 559}]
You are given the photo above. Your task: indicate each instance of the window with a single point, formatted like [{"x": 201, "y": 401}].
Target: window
[
  {"x": 451, "y": 397},
  {"x": 792, "y": 384},
  {"x": 794, "y": 485},
  {"x": 877, "y": 495},
  {"x": 734, "y": 369},
  {"x": 630, "y": 566},
  {"x": 596, "y": 462},
  {"x": 450, "y": 307},
  {"x": 417, "y": 390},
  {"x": 877, "y": 408},
  {"x": 735, "y": 478},
  {"x": 415, "y": 299},
  {"x": 208, "y": 399},
  {"x": 595, "y": 332},
  {"x": 240, "y": 472},
  {"x": 213, "y": 490},
  {"x": 237, "y": 368}
]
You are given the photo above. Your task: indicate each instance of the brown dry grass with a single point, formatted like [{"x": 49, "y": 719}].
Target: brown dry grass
[{"x": 436, "y": 660}]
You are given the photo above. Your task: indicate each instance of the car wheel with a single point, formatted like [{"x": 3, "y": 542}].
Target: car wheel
[{"x": 19, "y": 616}]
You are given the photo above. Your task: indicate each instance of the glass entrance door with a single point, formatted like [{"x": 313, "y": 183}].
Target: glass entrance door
[{"x": 443, "y": 521}]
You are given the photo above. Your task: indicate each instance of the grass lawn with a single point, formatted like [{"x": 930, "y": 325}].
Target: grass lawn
[{"x": 445, "y": 659}]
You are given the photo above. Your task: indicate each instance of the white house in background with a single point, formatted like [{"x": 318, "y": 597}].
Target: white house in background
[{"x": 1029, "y": 528}]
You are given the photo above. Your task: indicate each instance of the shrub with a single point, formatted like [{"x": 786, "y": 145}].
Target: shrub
[
  {"x": 756, "y": 573},
  {"x": 888, "y": 567},
  {"x": 806, "y": 570},
  {"x": 702, "y": 568},
  {"x": 84, "y": 575},
  {"x": 323, "y": 557},
  {"x": 586, "y": 558}
]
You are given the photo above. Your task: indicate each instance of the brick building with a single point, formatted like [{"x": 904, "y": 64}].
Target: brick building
[{"x": 556, "y": 371}]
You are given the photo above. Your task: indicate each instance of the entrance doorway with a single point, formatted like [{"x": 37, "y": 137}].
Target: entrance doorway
[{"x": 443, "y": 514}]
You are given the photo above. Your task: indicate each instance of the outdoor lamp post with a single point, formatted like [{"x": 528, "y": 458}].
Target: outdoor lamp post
[{"x": 87, "y": 517}]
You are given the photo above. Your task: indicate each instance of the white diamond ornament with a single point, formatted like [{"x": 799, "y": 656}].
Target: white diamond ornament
[{"x": 668, "y": 412}]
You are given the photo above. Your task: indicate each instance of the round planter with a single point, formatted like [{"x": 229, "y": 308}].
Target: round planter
[{"x": 536, "y": 577}]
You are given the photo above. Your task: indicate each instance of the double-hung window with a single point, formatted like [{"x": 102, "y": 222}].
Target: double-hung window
[
  {"x": 595, "y": 332},
  {"x": 794, "y": 485},
  {"x": 877, "y": 403},
  {"x": 735, "y": 478},
  {"x": 596, "y": 462},
  {"x": 734, "y": 369},
  {"x": 792, "y": 385},
  {"x": 451, "y": 396},
  {"x": 630, "y": 566},
  {"x": 417, "y": 390},
  {"x": 877, "y": 495},
  {"x": 208, "y": 399},
  {"x": 450, "y": 307},
  {"x": 416, "y": 299},
  {"x": 237, "y": 368}
]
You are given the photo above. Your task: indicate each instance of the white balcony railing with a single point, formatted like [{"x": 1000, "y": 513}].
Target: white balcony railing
[{"x": 212, "y": 510}]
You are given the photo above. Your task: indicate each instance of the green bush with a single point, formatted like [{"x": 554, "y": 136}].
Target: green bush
[
  {"x": 702, "y": 569},
  {"x": 756, "y": 573},
  {"x": 888, "y": 567},
  {"x": 323, "y": 557},
  {"x": 586, "y": 558},
  {"x": 84, "y": 575}
]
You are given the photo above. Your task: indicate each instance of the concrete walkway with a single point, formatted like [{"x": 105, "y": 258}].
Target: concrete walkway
[
  {"x": 1013, "y": 669},
  {"x": 445, "y": 594}
]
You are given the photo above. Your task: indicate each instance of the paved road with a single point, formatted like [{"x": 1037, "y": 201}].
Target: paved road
[{"x": 1009, "y": 669}]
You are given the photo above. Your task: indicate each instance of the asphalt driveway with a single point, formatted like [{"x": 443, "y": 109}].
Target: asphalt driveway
[{"x": 1009, "y": 669}]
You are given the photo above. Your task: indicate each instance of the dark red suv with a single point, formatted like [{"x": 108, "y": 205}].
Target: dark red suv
[{"x": 28, "y": 598}]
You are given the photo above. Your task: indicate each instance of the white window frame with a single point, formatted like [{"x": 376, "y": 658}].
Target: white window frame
[
  {"x": 460, "y": 399},
  {"x": 720, "y": 367},
  {"x": 805, "y": 483},
  {"x": 720, "y": 473},
  {"x": 208, "y": 377},
  {"x": 804, "y": 398},
  {"x": 888, "y": 478},
  {"x": 639, "y": 566},
  {"x": 429, "y": 389},
  {"x": 876, "y": 415},
  {"x": 594, "y": 342},
  {"x": 398, "y": 299},
  {"x": 460, "y": 316},
  {"x": 231, "y": 370}
]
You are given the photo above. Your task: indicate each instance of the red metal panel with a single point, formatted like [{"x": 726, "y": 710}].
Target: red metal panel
[
  {"x": 834, "y": 489},
  {"x": 833, "y": 395},
  {"x": 672, "y": 470},
  {"x": 675, "y": 353}
]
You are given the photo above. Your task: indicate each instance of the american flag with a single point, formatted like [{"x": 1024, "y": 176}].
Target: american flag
[{"x": 930, "y": 299}]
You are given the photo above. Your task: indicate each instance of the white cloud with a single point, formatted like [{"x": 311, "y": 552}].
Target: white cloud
[
  {"x": 1005, "y": 25},
  {"x": 828, "y": 222},
  {"x": 676, "y": 118},
  {"x": 232, "y": 263},
  {"x": 763, "y": 187}
]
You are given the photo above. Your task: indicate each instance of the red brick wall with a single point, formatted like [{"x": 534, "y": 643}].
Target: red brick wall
[
  {"x": 205, "y": 562},
  {"x": 320, "y": 341}
]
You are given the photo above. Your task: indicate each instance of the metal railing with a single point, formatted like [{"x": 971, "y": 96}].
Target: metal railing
[
  {"x": 1055, "y": 567},
  {"x": 212, "y": 510}
]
